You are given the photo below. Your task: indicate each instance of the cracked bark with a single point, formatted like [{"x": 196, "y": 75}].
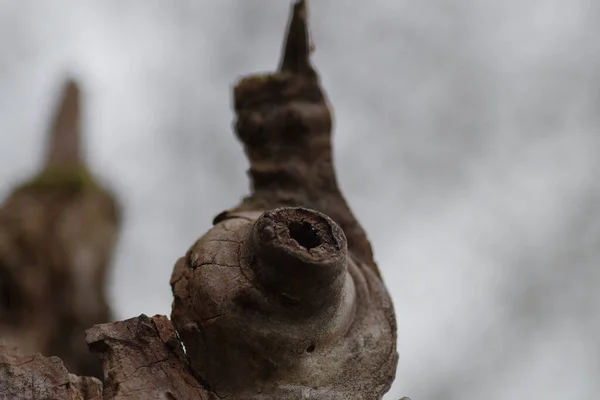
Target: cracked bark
[
  {"x": 305, "y": 314},
  {"x": 37, "y": 377},
  {"x": 281, "y": 298},
  {"x": 144, "y": 359}
]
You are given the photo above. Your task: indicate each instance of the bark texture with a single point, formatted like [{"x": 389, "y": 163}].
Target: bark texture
[
  {"x": 37, "y": 377},
  {"x": 276, "y": 308},
  {"x": 281, "y": 298},
  {"x": 285, "y": 124},
  {"x": 57, "y": 234},
  {"x": 144, "y": 359}
]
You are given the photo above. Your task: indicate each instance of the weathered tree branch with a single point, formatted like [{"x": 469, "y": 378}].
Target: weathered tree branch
[
  {"x": 281, "y": 298},
  {"x": 285, "y": 124},
  {"x": 57, "y": 234},
  {"x": 268, "y": 303}
]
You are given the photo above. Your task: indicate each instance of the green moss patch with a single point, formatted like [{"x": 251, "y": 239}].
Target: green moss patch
[{"x": 75, "y": 179}]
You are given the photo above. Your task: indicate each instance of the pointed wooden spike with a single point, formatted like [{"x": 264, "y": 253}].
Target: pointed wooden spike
[
  {"x": 296, "y": 49},
  {"x": 64, "y": 141}
]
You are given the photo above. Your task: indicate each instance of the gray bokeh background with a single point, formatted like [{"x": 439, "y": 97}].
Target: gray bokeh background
[{"x": 467, "y": 143}]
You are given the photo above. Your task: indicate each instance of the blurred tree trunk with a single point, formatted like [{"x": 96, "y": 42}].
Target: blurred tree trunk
[
  {"x": 57, "y": 235},
  {"x": 280, "y": 299}
]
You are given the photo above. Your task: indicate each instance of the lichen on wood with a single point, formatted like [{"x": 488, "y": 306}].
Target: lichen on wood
[{"x": 70, "y": 180}]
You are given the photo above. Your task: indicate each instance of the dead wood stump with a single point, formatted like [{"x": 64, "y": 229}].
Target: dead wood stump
[{"x": 281, "y": 298}]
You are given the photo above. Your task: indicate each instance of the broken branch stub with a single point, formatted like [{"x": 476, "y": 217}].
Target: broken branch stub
[
  {"x": 273, "y": 307},
  {"x": 284, "y": 123},
  {"x": 57, "y": 236},
  {"x": 64, "y": 144},
  {"x": 281, "y": 299},
  {"x": 300, "y": 260}
]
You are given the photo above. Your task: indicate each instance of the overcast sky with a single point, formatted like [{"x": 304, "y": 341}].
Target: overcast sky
[{"x": 466, "y": 139}]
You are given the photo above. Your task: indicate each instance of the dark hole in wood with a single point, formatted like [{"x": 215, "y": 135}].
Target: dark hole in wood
[
  {"x": 311, "y": 348},
  {"x": 304, "y": 234},
  {"x": 289, "y": 299}
]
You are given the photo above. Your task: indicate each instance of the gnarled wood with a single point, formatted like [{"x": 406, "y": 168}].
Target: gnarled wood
[
  {"x": 281, "y": 298},
  {"x": 267, "y": 313},
  {"x": 57, "y": 235},
  {"x": 285, "y": 124},
  {"x": 268, "y": 303}
]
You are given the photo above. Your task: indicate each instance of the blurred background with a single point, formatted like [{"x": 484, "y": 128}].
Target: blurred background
[{"x": 466, "y": 139}]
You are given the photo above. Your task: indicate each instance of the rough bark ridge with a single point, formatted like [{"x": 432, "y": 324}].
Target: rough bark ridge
[
  {"x": 57, "y": 234},
  {"x": 281, "y": 298},
  {"x": 37, "y": 377},
  {"x": 285, "y": 124},
  {"x": 144, "y": 359}
]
